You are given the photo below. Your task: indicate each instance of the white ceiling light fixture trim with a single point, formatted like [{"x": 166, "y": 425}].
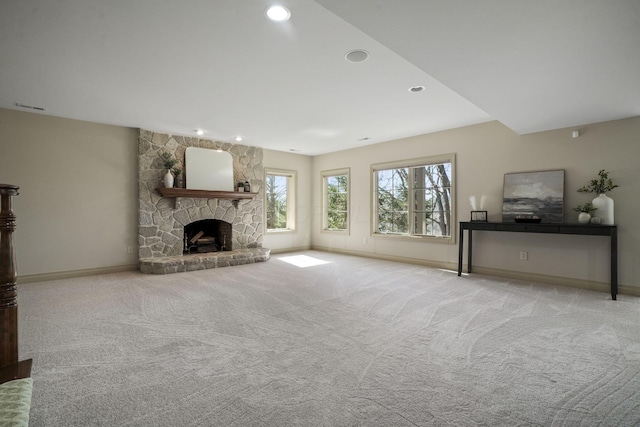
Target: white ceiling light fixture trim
[
  {"x": 357, "y": 55},
  {"x": 237, "y": 138},
  {"x": 278, "y": 13},
  {"x": 199, "y": 132}
]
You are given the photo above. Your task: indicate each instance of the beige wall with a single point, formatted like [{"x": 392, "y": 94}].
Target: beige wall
[
  {"x": 78, "y": 202},
  {"x": 484, "y": 153},
  {"x": 301, "y": 237}
]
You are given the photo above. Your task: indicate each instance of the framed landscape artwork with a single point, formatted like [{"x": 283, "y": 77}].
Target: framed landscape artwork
[{"x": 534, "y": 193}]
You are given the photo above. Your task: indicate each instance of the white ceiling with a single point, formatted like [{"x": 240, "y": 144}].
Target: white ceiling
[{"x": 178, "y": 65}]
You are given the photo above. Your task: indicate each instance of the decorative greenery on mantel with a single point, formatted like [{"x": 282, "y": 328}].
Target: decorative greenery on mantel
[{"x": 167, "y": 160}]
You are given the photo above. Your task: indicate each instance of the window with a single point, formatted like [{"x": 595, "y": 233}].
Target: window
[
  {"x": 335, "y": 190},
  {"x": 415, "y": 198},
  {"x": 280, "y": 190}
]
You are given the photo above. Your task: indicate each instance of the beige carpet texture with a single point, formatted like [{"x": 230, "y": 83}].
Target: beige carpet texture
[{"x": 320, "y": 339}]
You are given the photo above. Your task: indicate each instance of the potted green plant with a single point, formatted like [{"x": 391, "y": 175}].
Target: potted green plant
[
  {"x": 602, "y": 185},
  {"x": 604, "y": 203},
  {"x": 168, "y": 162},
  {"x": 585, "y": 210}
]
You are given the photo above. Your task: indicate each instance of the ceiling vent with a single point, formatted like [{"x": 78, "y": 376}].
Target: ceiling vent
[
  {"x": 30, "y": 107},
  {"x": 357, "y": 55}
]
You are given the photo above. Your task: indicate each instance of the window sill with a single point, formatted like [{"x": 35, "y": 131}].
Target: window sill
[
  {"x": 340, "y": 232},
  {"x": 281, "y": 231}
]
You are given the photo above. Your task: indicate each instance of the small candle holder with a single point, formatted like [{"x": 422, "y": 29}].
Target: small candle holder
[{"x": 478, "y": 216}]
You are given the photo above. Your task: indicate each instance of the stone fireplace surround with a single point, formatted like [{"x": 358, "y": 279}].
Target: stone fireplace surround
[{"x": 162, "y": 220}]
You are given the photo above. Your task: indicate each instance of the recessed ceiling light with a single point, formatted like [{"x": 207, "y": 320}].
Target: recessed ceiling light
[
  {"x": 278, "y": 13},
  {"x": 238, "y": 138},
  {"x": 199, "y": 132},
  {"x": 416, "y": 89},
  {"x": 366, "y": 138},
  {"x": 357, "y": 55}
]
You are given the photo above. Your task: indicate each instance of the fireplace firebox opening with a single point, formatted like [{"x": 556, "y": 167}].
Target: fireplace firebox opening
[{"x": 207, "y": 235}]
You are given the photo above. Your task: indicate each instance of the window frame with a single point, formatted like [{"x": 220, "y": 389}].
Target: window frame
[
  {"x": 325, "y": 199},
  {"x": 412, "y": 163},
  {"x": 291, "y": 197}
]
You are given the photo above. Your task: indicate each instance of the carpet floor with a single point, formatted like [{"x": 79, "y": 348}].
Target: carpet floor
[{"x": 321, "y": 339}]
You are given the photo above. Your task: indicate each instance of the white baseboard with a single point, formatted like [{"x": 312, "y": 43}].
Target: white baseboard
[
  {"x": 287, "y": 250},
  {"x": 557, "y": 280},
  {"x": 530, "y": 277},
  {"x": 43, "y": 277},
  {"x": 426, "y": 263}
]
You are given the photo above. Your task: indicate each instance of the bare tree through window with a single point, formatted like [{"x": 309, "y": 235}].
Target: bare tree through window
[{"x": 415, "y": 200}]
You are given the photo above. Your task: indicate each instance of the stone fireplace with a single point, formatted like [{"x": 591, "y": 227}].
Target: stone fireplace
[{"x": 165, "y": 230}]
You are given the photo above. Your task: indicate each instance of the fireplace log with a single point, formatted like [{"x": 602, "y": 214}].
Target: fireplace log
[
  {"x": 195, "y": 238},
  {"x": 206, "y": 241}
]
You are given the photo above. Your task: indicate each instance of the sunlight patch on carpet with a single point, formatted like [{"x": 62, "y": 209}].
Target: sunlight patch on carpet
[{"x": 303, "y": 261}]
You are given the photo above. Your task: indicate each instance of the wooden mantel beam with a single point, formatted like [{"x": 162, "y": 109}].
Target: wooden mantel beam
[{"x": 205, "y": 194}]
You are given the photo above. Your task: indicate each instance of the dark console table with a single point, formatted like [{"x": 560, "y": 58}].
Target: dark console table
[{"x": 583, "y": 229}]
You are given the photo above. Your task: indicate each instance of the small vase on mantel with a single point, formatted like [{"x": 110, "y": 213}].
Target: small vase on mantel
[
  {"x": 168, "y": 179},
  {"x": 604, "y": 204}
]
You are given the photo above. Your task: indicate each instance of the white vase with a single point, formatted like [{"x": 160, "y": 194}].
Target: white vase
[
  {"x": 584, "y": 218},
  {"x": 168, "y": 179},
  {"x": 604, "y": 204}
]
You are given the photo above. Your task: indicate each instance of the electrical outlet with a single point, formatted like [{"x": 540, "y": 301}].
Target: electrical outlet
[
  {"x": 129, "y": 249},
  {"x": 364, "y": 240},
  {"x": 524, "y": 255}
]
